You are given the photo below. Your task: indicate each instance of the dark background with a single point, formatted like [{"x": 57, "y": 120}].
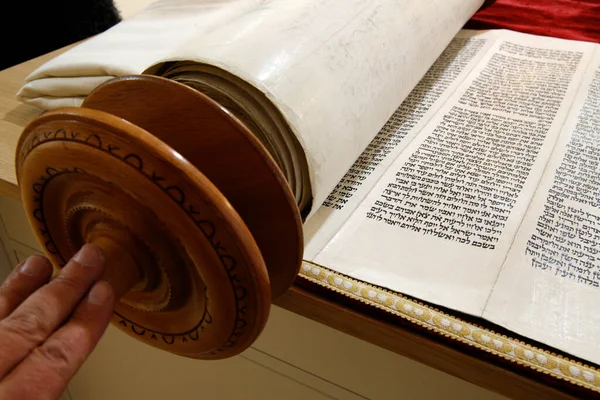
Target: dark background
[{"x": 31, "y": 28}]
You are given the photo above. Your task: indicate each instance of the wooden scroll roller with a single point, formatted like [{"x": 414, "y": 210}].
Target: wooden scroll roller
[{"x": 200, "y": 229}]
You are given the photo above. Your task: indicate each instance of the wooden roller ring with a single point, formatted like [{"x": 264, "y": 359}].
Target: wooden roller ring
[{"x": 198, "y": 224}]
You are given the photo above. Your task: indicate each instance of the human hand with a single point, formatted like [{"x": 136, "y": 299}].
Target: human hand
[{"x": 48, "y": 328}]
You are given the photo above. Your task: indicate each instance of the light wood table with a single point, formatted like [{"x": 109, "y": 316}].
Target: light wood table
[{"x": 509, "y": 373}]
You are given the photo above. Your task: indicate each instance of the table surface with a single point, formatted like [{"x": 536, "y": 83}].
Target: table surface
[{"x": 498, "y": 374}]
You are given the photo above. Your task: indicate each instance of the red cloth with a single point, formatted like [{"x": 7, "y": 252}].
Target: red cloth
[{"x": 567, "y": 19}]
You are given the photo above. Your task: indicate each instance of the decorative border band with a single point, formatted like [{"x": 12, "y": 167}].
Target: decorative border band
[{"x": 450, "y": 326}]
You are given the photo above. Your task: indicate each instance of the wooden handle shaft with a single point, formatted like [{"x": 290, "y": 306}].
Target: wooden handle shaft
[{"x": 122, "y": 271}]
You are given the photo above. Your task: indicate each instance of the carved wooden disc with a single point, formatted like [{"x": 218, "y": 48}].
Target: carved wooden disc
[
  {"x": 189, "y": 273},
  {"x": 226, "y": 152}
]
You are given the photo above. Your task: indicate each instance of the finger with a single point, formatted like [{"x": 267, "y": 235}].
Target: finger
[
  {"x": 44, "y": 311},
  {"x": 49, "y": 368},
  {"x": 29, "y": 276}
]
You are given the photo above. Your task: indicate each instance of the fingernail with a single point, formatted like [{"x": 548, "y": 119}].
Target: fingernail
[
  {"x": 33, "y": 266},
  {"x": 100, "y": 293},
  {"x": 90, "y": 256}
]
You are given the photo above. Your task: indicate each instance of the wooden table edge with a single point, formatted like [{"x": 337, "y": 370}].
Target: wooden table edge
[{"x": 377, "y": 327}]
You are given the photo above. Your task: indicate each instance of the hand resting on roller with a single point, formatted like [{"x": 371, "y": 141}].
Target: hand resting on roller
[{"x": 49, "y": 327}]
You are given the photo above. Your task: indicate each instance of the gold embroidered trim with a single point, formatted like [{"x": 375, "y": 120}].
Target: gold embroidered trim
[{"x": 449, "y": 326}]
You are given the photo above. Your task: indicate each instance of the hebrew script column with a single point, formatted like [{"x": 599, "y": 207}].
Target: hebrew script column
[
  {"x": 553, "y": 270},
  {"x": 451, "y": 67},
  {"x": 439, "y": 222}
]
